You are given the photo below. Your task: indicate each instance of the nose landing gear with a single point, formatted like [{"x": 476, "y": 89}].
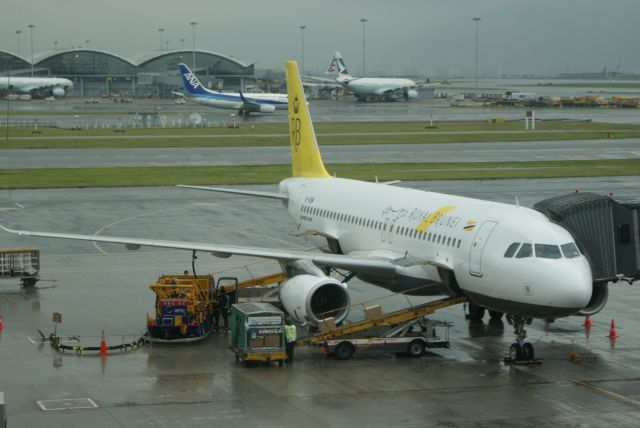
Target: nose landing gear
[{"x": 520, "y": 352}]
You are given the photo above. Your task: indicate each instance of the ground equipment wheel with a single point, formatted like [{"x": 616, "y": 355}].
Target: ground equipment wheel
[
  {"x": 344, "y": 351},
  {"x": 515, "y": 351},
  {"x": 416, "y": 348},
  {"x": 495, "y": 315}
]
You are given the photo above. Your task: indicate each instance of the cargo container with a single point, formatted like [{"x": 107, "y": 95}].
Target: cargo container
[{"x": 257, "y": 332}]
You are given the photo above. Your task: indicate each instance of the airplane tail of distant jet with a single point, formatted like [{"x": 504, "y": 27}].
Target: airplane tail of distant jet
[
  {"x": 192, "y": 85},
  {"x": 305, "y": 155},
  {"x": 337, "y": 64}
]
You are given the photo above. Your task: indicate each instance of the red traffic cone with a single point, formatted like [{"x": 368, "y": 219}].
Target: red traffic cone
[
  {"x": 103, "y": 345},
  {"x": 1, "y": 324},
  {"x": 587, "y": 322},
  {"x": 612, "y": 331}
]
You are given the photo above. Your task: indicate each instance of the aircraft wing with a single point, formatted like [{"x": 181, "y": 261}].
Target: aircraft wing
[
  {"x": 251, "y": 105},
  {"x": 272, "y": 195},
  {"x": 370, "y": 265}
]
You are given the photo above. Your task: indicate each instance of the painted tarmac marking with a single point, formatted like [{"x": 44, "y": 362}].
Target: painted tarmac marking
[
  {"x": 591, "y": 386},
  {"x": 67, "y": 404}
]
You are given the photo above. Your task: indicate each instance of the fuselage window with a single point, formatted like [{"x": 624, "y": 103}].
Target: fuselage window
[
  {"x": 525, "y": 251},
  {"x": 512, "y": 249},
  {"x": 438, "y": 240},
  {"x": 448, "y": 241},
  {"x": 570, "y": 250},
  {"x": 429, "y": 237},
  {"x": 459, "y": 242},
  {"x": 546, "y": 251}
]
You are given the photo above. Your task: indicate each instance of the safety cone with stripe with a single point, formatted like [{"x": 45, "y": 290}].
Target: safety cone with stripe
[
  {"x": 587, "y": 322},
  {"x": 612, "y": 331},
  {"x": 103, "y": 345}
]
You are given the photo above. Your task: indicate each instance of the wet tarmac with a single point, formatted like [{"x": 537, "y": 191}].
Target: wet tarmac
[
  {"x": 201, "y": 385},
  {"x": 375, "y": 153}
]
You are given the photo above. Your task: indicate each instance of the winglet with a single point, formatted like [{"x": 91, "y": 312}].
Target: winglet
[{"x": 305, "y": 155}]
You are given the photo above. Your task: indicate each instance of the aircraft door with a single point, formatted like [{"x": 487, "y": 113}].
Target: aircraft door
[{"x": 477, "y": 247}]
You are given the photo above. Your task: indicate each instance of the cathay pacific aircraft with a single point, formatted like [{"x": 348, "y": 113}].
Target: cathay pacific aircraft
[
  {"x": 505, "y": 258},
  {"x": 372, "y": 88},
  {"x": 243, "y": 103},
  {"x": 43, "y": 86}
]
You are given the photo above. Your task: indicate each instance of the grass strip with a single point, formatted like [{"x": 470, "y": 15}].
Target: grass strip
[{"x": 269, "y": 174}]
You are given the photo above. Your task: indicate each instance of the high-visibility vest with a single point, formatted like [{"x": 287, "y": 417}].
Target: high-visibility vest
[{"x": 290, "y": 333}]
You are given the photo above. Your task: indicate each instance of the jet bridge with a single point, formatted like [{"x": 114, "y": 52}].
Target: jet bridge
[{"x": 606, "y": 231}]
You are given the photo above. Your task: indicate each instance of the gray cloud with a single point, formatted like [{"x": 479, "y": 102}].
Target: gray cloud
[{"x": 516, "y": 36}]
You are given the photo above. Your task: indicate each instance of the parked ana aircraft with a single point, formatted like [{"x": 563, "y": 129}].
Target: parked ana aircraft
[
  {"x": 245, "y": 104},
  {"x": 372, "y": 88},
  {"x": 37, "y": 86},
  {"x": 503, "y": 257}
]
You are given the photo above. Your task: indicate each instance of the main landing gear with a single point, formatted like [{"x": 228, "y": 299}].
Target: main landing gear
[{"x": 520, "y": 351}]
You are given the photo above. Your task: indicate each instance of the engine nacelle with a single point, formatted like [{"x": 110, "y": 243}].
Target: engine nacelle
[
  {"x": 57, "y": 92},
  {"x": 412, "y": 94},
  {"x": 598, "y": 300},
  {"x": 309, "y": 298},
  {"x": 267, "y": 108}
]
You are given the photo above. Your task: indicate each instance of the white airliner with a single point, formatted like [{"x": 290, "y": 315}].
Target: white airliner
[
  {"x": 372, "y": 88},
  {"x": 503, "y": 257},
  {"x": 243, "y": 103},
  {"x": 42, "y": 86}
]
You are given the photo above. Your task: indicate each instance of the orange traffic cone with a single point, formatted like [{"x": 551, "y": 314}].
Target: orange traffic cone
[
  {"x": 587, "y": 322},
  {"x": 103, "y": 345},
  {"x": 1, "y": 324},
  {"x": 612, "y": 331}
]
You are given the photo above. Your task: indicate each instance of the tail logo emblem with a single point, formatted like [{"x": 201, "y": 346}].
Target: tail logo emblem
[{"x": 192, "y": 79}]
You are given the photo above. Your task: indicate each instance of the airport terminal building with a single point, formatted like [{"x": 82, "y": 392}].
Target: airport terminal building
[{"x": 98, "y": 73}]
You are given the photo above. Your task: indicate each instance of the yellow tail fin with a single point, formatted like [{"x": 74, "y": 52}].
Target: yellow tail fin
[{"x": 305, "y": 155}]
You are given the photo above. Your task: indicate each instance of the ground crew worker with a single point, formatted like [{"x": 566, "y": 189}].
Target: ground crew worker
[
  {"x": 290, "y": 335},
  {"x": 224, "y": 308}
]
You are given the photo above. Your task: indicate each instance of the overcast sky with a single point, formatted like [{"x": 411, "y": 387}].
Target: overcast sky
[{"x": 402, "y": 36}]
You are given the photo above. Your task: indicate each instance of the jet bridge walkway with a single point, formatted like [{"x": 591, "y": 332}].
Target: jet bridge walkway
[{"x": 390, "y": 319}]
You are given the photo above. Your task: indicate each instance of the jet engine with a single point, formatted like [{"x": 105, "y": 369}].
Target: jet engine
[
  {"x": 309, "y": 298},
  {"x": 598, "y": 300},
  {"x": 267, "y": 108},
  {"x": 412, "y": 94},
  {"x": 57, "y": 92}
]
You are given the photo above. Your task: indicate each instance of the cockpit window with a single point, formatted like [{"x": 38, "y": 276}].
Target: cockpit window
[
  {"x": 570, "y": 250},
  {"x": 512, "y": 249},
  {"x": 525, "y": 251},
  {"x": 546, "y": 251}
]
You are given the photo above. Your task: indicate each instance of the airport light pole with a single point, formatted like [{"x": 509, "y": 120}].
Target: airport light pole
[
  {"x": 364, "y": 21},
  {"x": 302, "y": 28},
  {"x": 18, "y": 32},
  {"x": 32, "y": 27},
  {"x": 86, "y": 44},
  {"x": 182, "y": 41},
  {"x": 477, "y": 21},
  {"x": 193, "y": 27},
  {"x": 55, "y": 45},
  {"x": 161, "y": 30},
  {"x": 166, "y": 45}
]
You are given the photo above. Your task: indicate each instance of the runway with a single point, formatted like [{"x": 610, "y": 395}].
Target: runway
[
  {"x": 105, "y": 288},
  {"x": 332, "y": 154}
]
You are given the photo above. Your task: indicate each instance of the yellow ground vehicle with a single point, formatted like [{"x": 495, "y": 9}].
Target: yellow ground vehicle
[{"x": 184, "y": 308}]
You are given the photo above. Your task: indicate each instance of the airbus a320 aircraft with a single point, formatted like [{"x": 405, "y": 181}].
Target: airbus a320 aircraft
[
  {"x": 503, "y": 257},
  {"x": 372, "y": 88},
  {"x": 44, "y": 86},
  {"x": 244, "y": 104}
]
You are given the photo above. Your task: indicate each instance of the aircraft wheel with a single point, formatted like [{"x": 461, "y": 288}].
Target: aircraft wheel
[
  {"x": 515, "y": 351},
  {"x": 495, "y": 315},
  {"x": 527, "y": 351},
  {"x": 344, "y": 351},
  {"x": 476, "y": 313},
  {"x": 416, "y": 348}
]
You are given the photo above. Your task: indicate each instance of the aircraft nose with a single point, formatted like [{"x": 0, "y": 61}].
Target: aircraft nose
[{"x": 575, "y": 285}]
